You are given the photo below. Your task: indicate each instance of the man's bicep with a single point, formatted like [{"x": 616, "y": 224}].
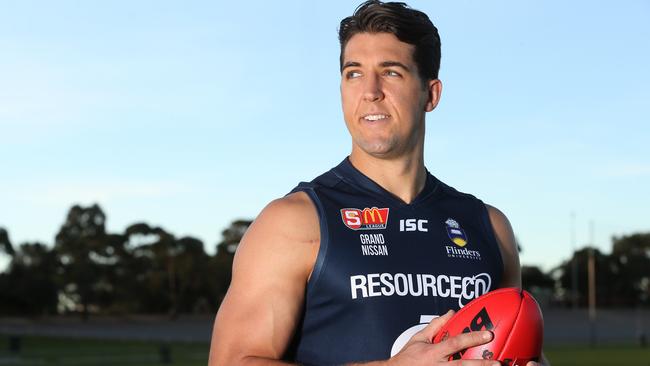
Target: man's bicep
[{"x": 259, "y": 314}]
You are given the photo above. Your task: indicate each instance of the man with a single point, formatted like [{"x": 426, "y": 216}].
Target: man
[{"x": 352, "y": 266}]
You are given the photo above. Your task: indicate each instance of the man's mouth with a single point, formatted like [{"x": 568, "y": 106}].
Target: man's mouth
[{"x": 375, "y": 117}]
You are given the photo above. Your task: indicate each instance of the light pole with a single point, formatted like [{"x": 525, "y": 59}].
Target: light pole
[{"x": 574, "y": 263}]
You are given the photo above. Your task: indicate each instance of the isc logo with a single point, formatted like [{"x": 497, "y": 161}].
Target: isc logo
[
  {"x": 366, "y": 219},
  {"x": 413, "y": 225}
]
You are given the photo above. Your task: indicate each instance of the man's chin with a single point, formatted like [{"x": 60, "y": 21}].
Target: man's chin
[
  {"x": 378, "y": 149},
  {"x": 384, "y": 154}
]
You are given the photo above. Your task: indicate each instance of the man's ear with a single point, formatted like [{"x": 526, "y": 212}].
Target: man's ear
[{"x": 434, "y": 90}]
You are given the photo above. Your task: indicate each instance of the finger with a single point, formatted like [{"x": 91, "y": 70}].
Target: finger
[
  {"x": 533, "y": 363},
  {"x": 475, "y": 363},
  {"x": 465, "y": 340},
  {"x": 430, "y": 331}
]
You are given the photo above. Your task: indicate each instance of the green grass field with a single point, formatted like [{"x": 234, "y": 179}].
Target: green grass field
[
  {"x": 66, "y": 351},
  {"x": 607, "y": 355}
]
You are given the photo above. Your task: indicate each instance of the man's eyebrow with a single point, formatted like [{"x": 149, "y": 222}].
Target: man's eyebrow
[
  {"x": 394, "y": 64},
  {"x": 382, "y": 64},
  {"x": 350, "y": 64}
]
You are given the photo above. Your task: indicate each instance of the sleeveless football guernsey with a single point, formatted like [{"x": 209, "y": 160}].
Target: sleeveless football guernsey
[{"x": 386, "y": 268}]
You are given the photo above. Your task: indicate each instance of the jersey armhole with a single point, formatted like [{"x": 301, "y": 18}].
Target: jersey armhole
[
  {"x": 491, "y": 236},
  {"x": 324, "y": 237}
]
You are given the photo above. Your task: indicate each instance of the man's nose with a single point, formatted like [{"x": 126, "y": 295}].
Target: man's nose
[{"x": 372, "y": 89}]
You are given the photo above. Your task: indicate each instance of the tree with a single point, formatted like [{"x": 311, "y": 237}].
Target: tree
[
  {"x": 29, "y": 285},
  {"x": 221, "y": 263},
  {"x": 533, "y": 278},
  {"x": 110, "y": 258},
  {"x": 538, "y": 283},
  {"x": 79, "y": 244},
  {"x": 606, "y": 278},
  {"x": 5, "y": 243},
  {"x": 152, "y": 267},
  {"x": 172, "y": 274},
  {"x": 631, "y": 262},
  {"x": 191, "y": 264},
  {"x": 622, "y": 278}
]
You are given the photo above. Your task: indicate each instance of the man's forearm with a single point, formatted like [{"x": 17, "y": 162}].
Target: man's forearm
[
  {"x": 251, "y": 361},
  {"x": 261, "y": 361}
]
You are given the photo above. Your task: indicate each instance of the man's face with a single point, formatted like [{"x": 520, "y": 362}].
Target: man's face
[{"x": 384, "y": 100}]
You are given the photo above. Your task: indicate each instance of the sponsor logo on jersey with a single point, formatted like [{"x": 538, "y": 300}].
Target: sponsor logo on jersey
[
  {"x": 457, "y": 236},
  {"x": 413, "y": 225},
  {"x": 464, "y": 253},
  {"x": 464, "y": 289},
  {"x": 456, "y": 233},
  {"x": 373, "y": 244},
  {"x": 367, "y": 219}
]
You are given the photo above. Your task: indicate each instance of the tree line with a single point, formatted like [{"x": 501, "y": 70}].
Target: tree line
[
  {"x": 147, "y": 269},
  {"x": 622, "y": 277}
]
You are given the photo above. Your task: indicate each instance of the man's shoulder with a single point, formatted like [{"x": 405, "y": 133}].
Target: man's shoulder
[
  {"x": 496, "y": 214},
  {"x": 286, "y": 230},
  {"x": 291, "y": 210},
  {"x": 298, "y": 209},
  {"x": 500, "y": 223}
]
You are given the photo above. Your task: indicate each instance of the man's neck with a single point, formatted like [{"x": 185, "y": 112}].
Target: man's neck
[{"x": 403, "y": 177}]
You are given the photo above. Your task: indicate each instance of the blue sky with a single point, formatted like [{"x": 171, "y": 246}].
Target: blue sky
[{"x": 190, "y": 115}]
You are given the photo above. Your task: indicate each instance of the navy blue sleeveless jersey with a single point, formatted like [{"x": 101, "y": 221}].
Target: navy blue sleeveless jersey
[{"x": 386, "y": 268}]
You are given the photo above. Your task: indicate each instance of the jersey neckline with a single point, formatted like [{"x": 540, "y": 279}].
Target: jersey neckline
[{"x": 347, "y": 172}]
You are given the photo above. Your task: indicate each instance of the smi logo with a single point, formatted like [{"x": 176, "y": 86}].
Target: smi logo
[{"x": 367, "y": 219}]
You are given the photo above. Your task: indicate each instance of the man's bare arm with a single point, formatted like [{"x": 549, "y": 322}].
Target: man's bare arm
[
  {"x": 262, "y": 308},
  {"x": 508, "y": 246}
]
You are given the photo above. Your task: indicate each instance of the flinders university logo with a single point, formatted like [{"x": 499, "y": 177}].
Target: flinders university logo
[
  {"x": 456, "y": 233},
  {"x": 367, "y": 219},
  {"x": 458, "y": 236}
]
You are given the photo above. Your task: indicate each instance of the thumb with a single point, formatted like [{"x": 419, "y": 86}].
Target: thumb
[{"x": 430, "y": 331}]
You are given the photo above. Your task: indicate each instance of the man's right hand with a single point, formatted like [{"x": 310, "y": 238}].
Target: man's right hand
[{"x": 420, "y": 349}]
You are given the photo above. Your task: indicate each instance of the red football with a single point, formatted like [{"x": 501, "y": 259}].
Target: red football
[{"x": 512, "y": 315}]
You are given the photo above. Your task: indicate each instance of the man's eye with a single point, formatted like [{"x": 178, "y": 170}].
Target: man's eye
[
  {"x": 352, "y": 74},
  {"x": 392, "y": 73}
]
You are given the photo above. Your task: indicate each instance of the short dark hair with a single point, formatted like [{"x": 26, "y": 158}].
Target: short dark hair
[{"x": 408, "y": 25}]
